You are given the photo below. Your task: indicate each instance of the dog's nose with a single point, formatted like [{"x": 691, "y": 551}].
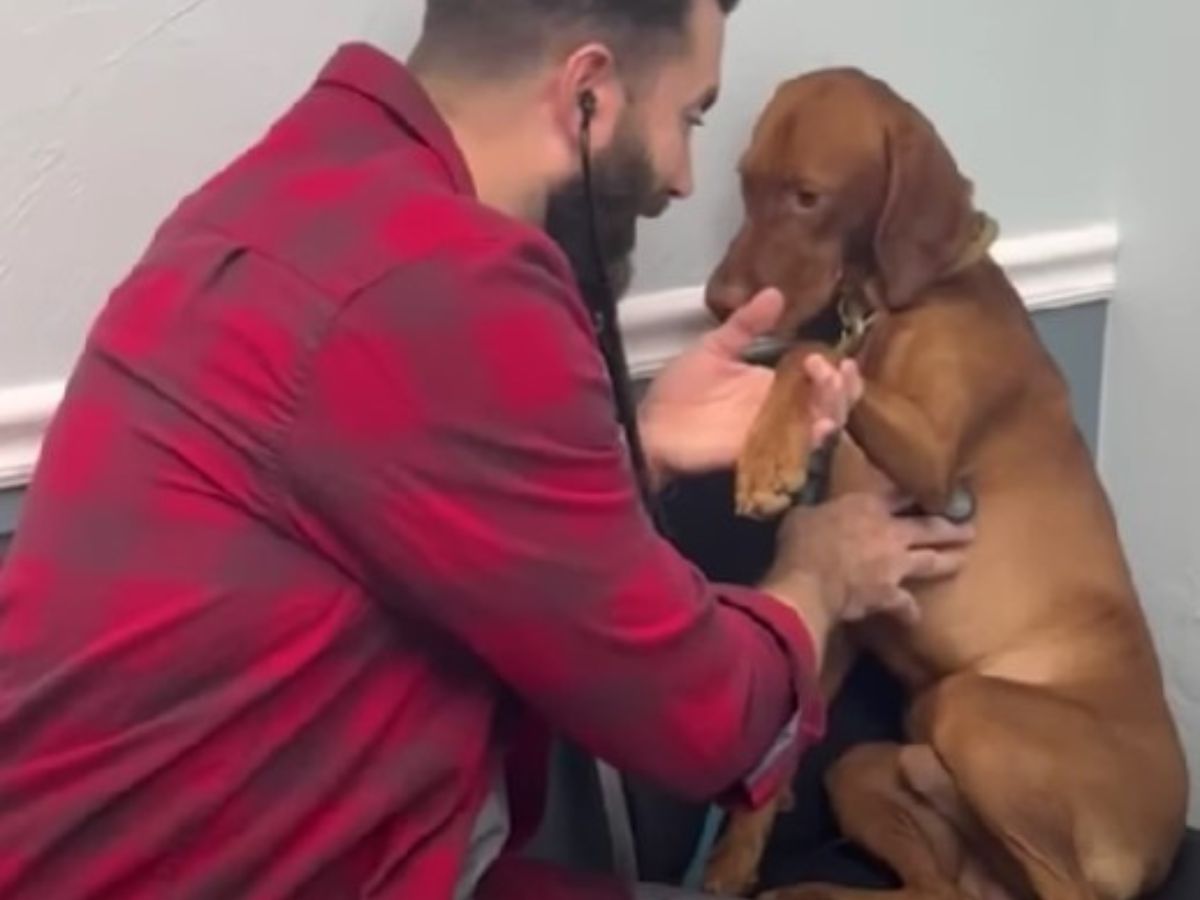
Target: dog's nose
[{"x": 723, "y": 298}]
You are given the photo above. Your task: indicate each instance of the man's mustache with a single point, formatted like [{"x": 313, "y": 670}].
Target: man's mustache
[{"x": 656, "y": 205}]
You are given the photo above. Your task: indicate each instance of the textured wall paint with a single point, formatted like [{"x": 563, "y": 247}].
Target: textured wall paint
[
  {"x": 110, "y": 111},
  {"x": 1150, "y": 429},
  {"x": 1011, "y": 86},
  {"x": 114, "y": 108}
]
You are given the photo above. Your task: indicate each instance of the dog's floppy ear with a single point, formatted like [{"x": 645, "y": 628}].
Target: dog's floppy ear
[{"x": 927, "y": 216}]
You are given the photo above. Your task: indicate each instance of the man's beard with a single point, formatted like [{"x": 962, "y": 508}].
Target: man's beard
[{"x": 623, "y": 187}]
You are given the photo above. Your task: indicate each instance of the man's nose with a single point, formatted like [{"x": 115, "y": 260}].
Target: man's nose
[{"x": 683, "y": 183}]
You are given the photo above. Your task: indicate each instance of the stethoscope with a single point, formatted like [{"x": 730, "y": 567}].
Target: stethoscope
[
  {"x": 603, "y": 307},
  {"x": 602, "y": 303}
]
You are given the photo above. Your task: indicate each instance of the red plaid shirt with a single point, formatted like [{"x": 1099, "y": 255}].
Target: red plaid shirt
[{"x": 335, "y": 512}]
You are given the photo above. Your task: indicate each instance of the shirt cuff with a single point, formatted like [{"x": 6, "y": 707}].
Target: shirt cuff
[{"x": 806, "y": 726}]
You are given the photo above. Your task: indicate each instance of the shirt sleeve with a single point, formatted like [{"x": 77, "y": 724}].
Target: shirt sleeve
[{"x": 455, "y": 450}]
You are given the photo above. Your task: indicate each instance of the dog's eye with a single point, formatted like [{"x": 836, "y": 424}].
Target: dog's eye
[{"x": 805, "y": 199}]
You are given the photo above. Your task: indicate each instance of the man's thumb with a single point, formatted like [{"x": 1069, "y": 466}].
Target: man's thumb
[{"x": 749, "y": 323}]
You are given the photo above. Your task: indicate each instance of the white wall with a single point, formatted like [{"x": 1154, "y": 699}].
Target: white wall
[
  {"x": 1011, "y": 85},
  {"x": 1150, "y": 429},
  {"x": 109, "y": 111}
]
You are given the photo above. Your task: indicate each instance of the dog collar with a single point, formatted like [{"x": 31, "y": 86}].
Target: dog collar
[
  {"x": 987, "y": 230},
  {"x": 857, "y": 315}
]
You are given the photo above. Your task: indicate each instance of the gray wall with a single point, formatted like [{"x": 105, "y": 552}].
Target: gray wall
[
  {"x": 10, "y": 505},
  {"x": 1151, "y": 431},
  {"x": 1076, "y": 338}
]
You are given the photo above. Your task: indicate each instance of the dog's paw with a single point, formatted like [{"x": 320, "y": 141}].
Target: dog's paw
[
  {"x": 732, "y": 871},
  {"x": 773, "y": 466}
]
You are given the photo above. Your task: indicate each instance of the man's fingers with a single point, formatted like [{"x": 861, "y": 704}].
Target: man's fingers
[
  {"x": 935, "y": 531},
  {"x": 930, "y": 564},
  {"x": 836, "y": 388},
  {"x": 823, "y": 430},
  {"x": 903, "y": 605},
  {"x": 825, "y": 380},
  {"x": 750, "y": 322},
  {"x": 896, "y": 602},
  {"x": 832, "y": 395},
  {"x": 819, "y": 368},
  {"x": 853, "y": 380}
]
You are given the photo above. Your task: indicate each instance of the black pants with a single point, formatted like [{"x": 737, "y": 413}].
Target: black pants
[
  {"x": 661, "y": 892},
  {"x": 838, "y": 863}
]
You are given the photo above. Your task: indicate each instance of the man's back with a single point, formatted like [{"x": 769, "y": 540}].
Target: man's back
[{"x": 178, "y": 644}]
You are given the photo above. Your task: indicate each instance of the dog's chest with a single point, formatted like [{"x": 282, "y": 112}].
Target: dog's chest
[{"x": 945, "y": 641}]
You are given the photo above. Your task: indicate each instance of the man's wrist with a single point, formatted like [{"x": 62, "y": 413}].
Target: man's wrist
[
  {"x": 810, "y": 598},
  {"x": 658, "y": 471},
  {"x": 659, "y": 475}
]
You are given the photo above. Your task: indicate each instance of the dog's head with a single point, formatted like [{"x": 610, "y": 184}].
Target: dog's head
[{"x": 842, "y": 176}]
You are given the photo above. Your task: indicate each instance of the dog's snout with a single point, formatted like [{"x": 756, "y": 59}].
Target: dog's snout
[{"x": 724, "y": 297}]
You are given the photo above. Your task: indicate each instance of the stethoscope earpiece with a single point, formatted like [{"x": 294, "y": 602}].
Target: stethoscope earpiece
[{"x": 587, "y": 107}]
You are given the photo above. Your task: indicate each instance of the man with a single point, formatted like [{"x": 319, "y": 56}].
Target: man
[{"x": 335, "y": 522}]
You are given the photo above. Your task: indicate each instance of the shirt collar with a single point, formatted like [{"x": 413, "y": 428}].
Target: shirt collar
[{"x": 369, "y": 71}]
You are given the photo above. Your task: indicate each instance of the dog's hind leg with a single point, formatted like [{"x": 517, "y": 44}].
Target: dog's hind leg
[
  {"x": 1024, "y": 762},
  {"x": 876, "y": 809}
]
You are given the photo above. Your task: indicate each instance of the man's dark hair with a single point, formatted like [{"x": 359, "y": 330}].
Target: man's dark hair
[{"x": 495, "y": 37}]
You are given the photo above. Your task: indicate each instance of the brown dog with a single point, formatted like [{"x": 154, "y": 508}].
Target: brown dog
[{"x": 1043, "y": 761}]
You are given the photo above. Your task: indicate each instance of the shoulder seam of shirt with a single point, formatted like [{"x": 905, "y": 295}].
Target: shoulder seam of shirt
[
  {"x": 273, "y": 448},
  {"x": 256, "y": 249}
]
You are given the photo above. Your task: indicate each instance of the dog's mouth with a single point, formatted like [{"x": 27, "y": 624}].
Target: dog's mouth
[
  {"x": 801, "y": 312},
  {"x": 825, "y": 327}
]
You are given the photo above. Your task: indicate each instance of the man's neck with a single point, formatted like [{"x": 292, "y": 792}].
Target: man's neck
[{"x": 486, "y": 125}]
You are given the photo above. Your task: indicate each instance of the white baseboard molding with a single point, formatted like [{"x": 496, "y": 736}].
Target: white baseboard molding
[
  {"x": 24, "y": 414},
  {"x": 1051, "y": 270}
]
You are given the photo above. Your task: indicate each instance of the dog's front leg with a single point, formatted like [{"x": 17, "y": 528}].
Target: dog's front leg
[
  {"x": 773, "y": 465},
  {"x": 732, "y": 870},
  {"x": 916, "y": 450},
  {"x": 917, "y": 454},
  {"x": 928, "y": 395}
]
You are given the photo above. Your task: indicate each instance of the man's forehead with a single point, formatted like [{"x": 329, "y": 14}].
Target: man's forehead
[
  {"x": 698, "y": 67},
  {"x": 707, "y": 29}
]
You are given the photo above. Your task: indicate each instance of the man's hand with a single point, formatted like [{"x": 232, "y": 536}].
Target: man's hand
[
  {"x": 852, "y": 557},
  {"x": 697, "y": 414}
]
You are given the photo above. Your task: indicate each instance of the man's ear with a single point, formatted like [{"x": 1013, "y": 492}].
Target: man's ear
[
  {"x": 927, "y": 217},
  {"x": 590, "y": 70}
]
